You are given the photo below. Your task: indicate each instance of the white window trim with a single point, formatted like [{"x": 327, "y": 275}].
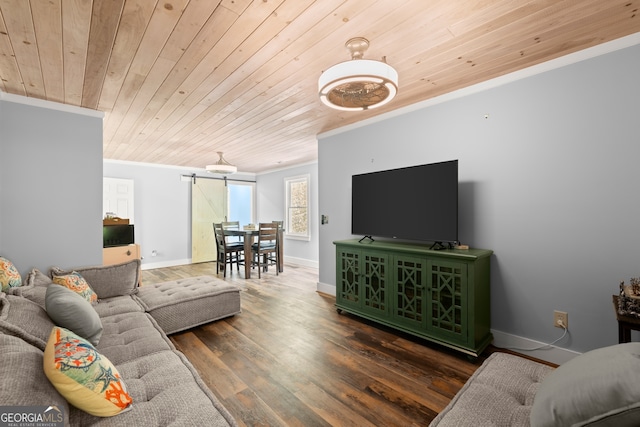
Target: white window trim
[{"x": 287, "y": 181}]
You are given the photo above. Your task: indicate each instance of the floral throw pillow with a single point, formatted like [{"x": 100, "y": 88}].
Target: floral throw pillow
[
  {"x": 87, "y": 379},
  {"x": 9, "y": 275},
  {"x": 77, "y": 284}
]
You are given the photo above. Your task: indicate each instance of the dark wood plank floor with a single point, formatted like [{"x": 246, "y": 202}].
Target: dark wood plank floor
[{"x": 289, "y": 359}]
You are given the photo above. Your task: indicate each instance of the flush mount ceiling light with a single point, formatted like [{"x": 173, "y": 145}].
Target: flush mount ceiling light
[
  {"x": 359, "y": 84},
  {"x": 222, "y": 166}
]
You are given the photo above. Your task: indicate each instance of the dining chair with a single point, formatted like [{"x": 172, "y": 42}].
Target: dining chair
[
  {"x": 280, "y": 225},
  {"x": 234, "y": 240},
  {"x": 227, "y": 254},
  {"x": 265, "y": 251}
]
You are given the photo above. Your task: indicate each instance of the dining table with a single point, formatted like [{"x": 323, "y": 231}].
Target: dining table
[{"x": 249, "y": 236}]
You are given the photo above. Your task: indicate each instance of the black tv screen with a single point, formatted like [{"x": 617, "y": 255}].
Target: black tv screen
[
  {"x": 413, "y": 203},
  {"x": 117, "y": 235}
]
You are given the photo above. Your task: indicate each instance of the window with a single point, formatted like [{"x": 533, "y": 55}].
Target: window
[
  {"x": 241, "y": 202},
  {"x": 297, "y": 200}
]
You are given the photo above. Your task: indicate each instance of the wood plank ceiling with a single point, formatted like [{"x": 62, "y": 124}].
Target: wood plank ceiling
[{"x": 179, "y": 80}]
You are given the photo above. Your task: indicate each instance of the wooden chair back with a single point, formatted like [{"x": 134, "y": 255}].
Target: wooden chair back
[
  {"x": 267, "y": 235},
  {"x": 219, "y": 235},
  {"x": 233, "y": 226},
  {"x": 265, "y": 251}
]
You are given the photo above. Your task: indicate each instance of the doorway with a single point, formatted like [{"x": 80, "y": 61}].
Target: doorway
[{"x": 217, "y": 200}]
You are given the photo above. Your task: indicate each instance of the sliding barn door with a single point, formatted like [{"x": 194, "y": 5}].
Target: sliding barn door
[{"x": 208, "y": 205}]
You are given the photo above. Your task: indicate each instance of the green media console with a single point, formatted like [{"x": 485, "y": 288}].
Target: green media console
[{"x": 440, "y": 295}]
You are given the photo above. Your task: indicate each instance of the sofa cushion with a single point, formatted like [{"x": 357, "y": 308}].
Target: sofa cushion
[
  {"x": 499, "y": 393},
  {"x": 129, "y": 336},
  {"x": 24, "y": 319},
  {"x": 87, "y": 379},
  {"x": 32, "y": 293},
  {"x": 116, "y": 305},
  {"x": 109, "y": 280},
  {"x": 77, "y": 284},
  {"x": 23, "y": 379},
  {"x": 71, "y": 311},
  {"x": 9, "y": 275},
  {"x": 597, "y": 388}
]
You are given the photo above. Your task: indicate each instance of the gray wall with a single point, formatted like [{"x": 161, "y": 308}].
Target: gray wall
[
  {"x": 162, "y": 204},
  {"x": 50, "y": 185},
  {"x": 548, "y": 181},
  {"x": 163, "y": 209},
  {"x": 271, "y": 206}
]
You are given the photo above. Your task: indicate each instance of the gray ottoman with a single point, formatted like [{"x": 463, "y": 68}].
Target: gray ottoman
[{"x": 186, "y": 303}]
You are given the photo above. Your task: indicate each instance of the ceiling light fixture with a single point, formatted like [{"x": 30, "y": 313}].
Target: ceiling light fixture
[
  {"x": 222, "y": 166},
  {"x": 359, "y": 84}
]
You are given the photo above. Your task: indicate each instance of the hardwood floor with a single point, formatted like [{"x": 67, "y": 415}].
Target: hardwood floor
[{"x": 289, "y": 359}]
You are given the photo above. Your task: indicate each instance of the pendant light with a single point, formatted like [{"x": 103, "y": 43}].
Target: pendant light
[
  {"x": 222, "y": 166},
  {"x": 359, "y": 84}
]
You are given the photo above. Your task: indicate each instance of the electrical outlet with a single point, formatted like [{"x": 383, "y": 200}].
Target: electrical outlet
[{"x": 560, "y": 318}]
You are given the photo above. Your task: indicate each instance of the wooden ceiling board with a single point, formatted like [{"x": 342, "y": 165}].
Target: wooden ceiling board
[
  {"x": 47, "y": 18},
  {"x": 210, "y": 33},
  {"x": 105, "y": 20},
  {"x": 23, "y": 41},
  {"x": 76, "y": 19},
  {"x": 230, "y": 48},
  {"x": 179, "y": 80},
  {"x": 134, "y": 19},
  {"x": 10, "y": 79}
]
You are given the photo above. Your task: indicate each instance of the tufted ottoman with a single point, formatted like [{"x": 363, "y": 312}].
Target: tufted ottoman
[
  {"x": 186, "y": 303},
  {"x": 499, "y": 393}
]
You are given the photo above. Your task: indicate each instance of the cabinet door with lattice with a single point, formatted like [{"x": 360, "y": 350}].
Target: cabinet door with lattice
[
  {"x": 348, "y": 278},
  {"x": 447, "y": 300},
  {"x": 410, "y": 292},
  {"x": 375, "y": 283}
]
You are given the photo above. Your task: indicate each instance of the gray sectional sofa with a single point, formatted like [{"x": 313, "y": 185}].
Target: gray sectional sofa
[
  {"x": 164, "y": 386},
  {"x": 598, "y": 388}
]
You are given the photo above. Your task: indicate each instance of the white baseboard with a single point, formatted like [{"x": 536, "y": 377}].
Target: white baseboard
[
  {"x": 504, "y": 340},
  {"x": 171, "y": 263},
  {"x": 516, "y": 343},
  {"x": 301, "y": 261},
  {"x": 326, "y": 288}
]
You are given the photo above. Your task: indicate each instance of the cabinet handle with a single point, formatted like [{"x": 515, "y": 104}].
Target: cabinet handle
[{"x": 128, "y": 253}]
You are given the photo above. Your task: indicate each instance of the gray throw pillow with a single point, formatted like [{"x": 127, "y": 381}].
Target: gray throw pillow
[
  {"x": 24, "y": 319},
  {"x": 597, "y": 388},
  {"x": 34, "y": 288},
  {"x": 71, "y": 311},
  {"x": 38, "y": 279}
]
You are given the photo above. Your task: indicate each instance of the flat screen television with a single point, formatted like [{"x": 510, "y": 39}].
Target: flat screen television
[
  {"x": 414, "y": 203},
  {"x": 117, "y": 235}
]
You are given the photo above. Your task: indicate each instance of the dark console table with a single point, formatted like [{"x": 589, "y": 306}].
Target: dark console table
[
  {"x": 626, "y": 324},
  {"x": 440, "y": 295}
]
